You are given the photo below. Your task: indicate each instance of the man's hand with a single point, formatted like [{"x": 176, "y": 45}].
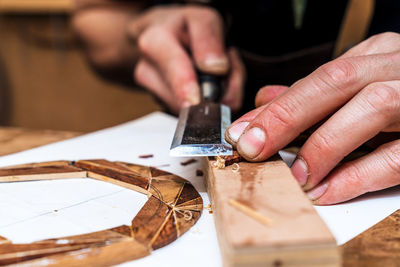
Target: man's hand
[
  {"x": 160, "y": 46},
  {"x": 176, "y": 40},
  {"x": 359, "y": 93}
]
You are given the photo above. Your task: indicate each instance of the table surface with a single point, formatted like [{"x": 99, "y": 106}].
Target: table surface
[
  {"x": 376, "y": 246},
  {"x": 36, "y": 6}
]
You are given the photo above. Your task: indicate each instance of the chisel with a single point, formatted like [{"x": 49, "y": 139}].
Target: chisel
[{"x": 201, "y": 128}]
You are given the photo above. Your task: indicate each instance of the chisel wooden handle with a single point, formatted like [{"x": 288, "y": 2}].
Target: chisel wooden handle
[{"x": 210, "y": 88}]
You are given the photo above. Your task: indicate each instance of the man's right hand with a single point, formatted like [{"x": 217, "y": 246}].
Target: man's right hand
[{"x": 173, "y": 42}]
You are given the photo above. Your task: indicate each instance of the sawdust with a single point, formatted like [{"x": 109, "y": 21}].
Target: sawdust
[
  {"x": 219, "y": 163},
  {"x": 235, "y": 167}
]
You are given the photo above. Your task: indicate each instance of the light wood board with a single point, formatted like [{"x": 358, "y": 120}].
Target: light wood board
[{"x": 263, "y": 218}]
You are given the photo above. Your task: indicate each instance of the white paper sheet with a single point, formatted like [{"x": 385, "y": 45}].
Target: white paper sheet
[{"x": 43, "y": 209}]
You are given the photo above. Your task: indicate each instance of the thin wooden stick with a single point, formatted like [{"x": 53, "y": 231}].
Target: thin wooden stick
[{"x": 250, "y": 212}]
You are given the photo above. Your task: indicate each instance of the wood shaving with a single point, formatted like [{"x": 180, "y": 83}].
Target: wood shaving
[
  {"x": 209, "y": 208},
  {"x": 252, "y": 213},
  {"x": 187, "y": 215},
  {"x": 146, "y": 156},
  {"x": 219, "y": 163},
  {"x": 187, "y": 162},
  {"x": 235, "y": 167},
  {"x": 161, "y": 166}
]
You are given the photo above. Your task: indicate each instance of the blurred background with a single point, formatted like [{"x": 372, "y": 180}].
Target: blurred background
[{"x": 45, "y": 80}]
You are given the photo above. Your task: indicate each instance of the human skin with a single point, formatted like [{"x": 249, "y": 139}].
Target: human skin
[
  {"x": 163, "y": 47},
  {"x": 357, "y": 96}
]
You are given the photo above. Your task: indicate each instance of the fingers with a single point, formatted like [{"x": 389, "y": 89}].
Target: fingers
[
  {"x": 269, "y": 93},
  {"x": 234, "y": 95},
  {"x": 236, "y": 129},
  {"x": 378, "y": 170},
  {"x": 264, "y": 96},
  {"x": 312, "y": 99},
  {"x": 164, "y": 49},
  {"x": 205, "y": 28},
  {"x": 148, "y": 76},
  {"x": 164, "y": 36},
  {"x": 372, "y": 110},
  {"x": 381, "y": 43}
]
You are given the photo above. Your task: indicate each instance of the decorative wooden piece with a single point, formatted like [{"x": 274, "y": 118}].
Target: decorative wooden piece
[
  {"x": 174, "y": 206},
  {"x": 263, "y": 218},
  {"x": 4, "y": 240}
]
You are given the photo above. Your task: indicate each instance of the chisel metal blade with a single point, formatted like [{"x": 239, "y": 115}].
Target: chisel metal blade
[{"x": 200, "y": 131}]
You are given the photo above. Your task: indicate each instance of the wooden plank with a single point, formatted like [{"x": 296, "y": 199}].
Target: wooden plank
[{"x": 263, "y": 218}]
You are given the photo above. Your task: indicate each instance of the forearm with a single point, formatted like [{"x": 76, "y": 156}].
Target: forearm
[{"x": 101, "y": 26}]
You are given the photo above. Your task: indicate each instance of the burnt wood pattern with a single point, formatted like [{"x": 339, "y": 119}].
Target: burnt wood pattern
[{"x": 173, "y": 207}]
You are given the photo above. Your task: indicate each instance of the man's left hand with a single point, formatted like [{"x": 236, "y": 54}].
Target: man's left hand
[{"x": 359, "y": 95}]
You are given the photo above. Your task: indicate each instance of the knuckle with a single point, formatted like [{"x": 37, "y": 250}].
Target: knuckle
[
  {"x": 282, "y": 113},
  {"x": 394, "y": 57},
  {"x": 138, "y": 73},
  {"x": 159, "y": 10},
  {"x": 392, "y": 156},
  {"x": 355, "y": 174},
  {"x": 206, "y": 14},
  {"x": 387, "y": 36},
  {"x": 144, "y": 42},
  {"x": 151, "y": 36},
  {"x": 338, "y": 72},
  {"x": 323, "y": 144},
  {"x": 383, "y": 98}
]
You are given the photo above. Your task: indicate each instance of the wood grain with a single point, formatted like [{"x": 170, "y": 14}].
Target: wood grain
[
  {"x": 168, "y": 233},
  {"x": 94, "y": 257},
  {"x": 14, "y": 140},
  {"x": 113, "y": 173},
  {"x": 48, "y": 172},
  {"x": 14, "y": 253},
  {"x": 378, "y": 246},
  {"x": 165, "y": 189},
  {"x": 148, "y": 222},
  {"x": 296, "y": 235},
  {"x": 4, "y": 240}
]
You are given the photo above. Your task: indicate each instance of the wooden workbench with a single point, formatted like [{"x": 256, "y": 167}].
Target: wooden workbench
[
  {"x": 378, "y": 246},
  {"x": 36, "y": 6}
]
